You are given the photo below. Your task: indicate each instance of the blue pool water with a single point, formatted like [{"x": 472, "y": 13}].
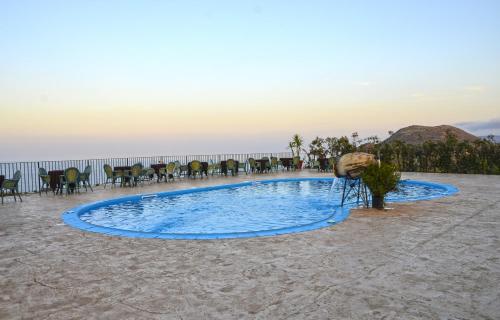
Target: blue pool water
[{"x": 240, "y": 210}]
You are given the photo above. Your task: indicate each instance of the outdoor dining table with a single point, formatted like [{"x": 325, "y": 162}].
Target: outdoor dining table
[
  {"x": 287, "y": 162},
  {"x": 263, "y": 163},
  {"x": 223, "y": 167},
  {"x": 157, "y": 168},
  {"x": 55, "y": 179},
  {"x": 122, "y": 168},
  {"x": 126, "y": 177}
]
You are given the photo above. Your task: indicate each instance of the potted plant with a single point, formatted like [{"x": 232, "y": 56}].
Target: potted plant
[{"x": 380, "y": 178}]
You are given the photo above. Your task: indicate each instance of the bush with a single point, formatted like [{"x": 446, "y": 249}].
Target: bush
[{"x": 381, "y": 179}]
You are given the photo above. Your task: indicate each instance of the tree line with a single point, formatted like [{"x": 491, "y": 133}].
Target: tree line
[{"x": 449, "y": 156}]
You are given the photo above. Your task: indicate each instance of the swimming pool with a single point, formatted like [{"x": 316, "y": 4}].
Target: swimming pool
[{"x": 247, "y": 209}]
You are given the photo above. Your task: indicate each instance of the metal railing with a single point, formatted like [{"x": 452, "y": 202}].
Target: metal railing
[{"x": 30, "y": 182}]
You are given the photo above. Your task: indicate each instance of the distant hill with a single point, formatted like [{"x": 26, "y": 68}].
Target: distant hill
[{"x": 420, "y": 134}]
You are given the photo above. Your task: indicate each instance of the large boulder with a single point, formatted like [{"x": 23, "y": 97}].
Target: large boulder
[{"x": 351, "y": 165}]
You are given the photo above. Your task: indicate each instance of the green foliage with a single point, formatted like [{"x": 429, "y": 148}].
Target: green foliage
[
  {"x": 381, "y": 179},
  {"x": 448, "y": 156},
  {"x": 316, "y": 148}
]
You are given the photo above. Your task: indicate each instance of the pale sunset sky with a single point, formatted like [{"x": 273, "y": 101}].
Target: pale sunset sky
[{"x": 85, "y": 79}]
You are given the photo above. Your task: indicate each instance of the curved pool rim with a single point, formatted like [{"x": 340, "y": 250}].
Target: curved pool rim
[{"x": 72, "y": 216}]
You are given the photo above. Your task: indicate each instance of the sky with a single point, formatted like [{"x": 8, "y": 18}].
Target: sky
[{"x": 86, "y": 79}]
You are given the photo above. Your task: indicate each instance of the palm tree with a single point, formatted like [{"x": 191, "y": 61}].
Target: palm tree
[{"x": 297, "y": 142}]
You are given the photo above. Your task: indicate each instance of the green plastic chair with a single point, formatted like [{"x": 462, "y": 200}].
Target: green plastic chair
[
  {"x": 254, "y": 165},
  {"x": 316, "y": 165},
  {"x": 196, "y": 168},
  {"x": 136, "y": 174},
  {"x": 44, "y": 179},
  {"x": 170, "y": 171},
  {"x": 111, "y": 175},
  {"x": 148, "y": 174},
  {"x": 11, "y": 185},
  {"x": 230, "y": 165},
  {"x": 162, "y": 172},
  {"x": 267, "y": 164},
  {"x": 275, "y": 164},
  {"x": 213, "y": 167},
  {"x": 85, "y": 177},
  {"x": 244, "y": 166},
  {"x": 178, "y": 168},
  {"x": 71, "y": 180}
]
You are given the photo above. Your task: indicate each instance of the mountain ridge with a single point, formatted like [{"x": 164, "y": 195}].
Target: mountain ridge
[{"x": 417, "y": 134}]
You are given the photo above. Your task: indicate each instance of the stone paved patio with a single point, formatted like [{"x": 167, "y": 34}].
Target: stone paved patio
[{"x": 424, "y": 260}]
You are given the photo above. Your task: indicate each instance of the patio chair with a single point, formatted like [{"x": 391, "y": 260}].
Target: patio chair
[
  {"x": 254, "y": 165},
  {"x": 275, "y": 164},
  {"x": 44, "y": 179},
  {"x": 244, "y": 166},
  {"x": 177, "y": 168},
  {"x": 267, "y": 164},
  {"x": 70, "y": 180},
  {"x": 170, "y": 171},
  {"x": 136, "y": 174},
  {"x": 148, "y": 174},
  {"x": 183, "y": 170},
  {"x": 85, "y": 177},
  {"x": 230, "y": 165},
  {"x": 213, "y": 167},
  {"x": 316, "y": 165},
  {"x": 162, "y": 172},
  {"x": 196, "y": 168},
  {"x": 11, "y": 185},
  {"x": 111, "y": 175}
]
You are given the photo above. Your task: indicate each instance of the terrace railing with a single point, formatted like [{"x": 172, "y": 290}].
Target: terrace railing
[{"x": 30, "y": 181}]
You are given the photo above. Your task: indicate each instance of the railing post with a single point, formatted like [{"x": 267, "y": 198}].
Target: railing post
[{"x": 39, "y": 186}]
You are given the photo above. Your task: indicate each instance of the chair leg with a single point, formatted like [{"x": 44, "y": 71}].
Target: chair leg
[{"x": 19, "y": 195}]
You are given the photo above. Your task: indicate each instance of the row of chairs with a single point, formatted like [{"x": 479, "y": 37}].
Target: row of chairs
[
  {"x": 136, "y": 175},
  {"x": 272, "y": 164},
  {"x": 324, "y": 165},
  {"x": 71, "y": 180},
  {"x": 251, "y": 165},
  {"x": 173, "y": 170}
]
